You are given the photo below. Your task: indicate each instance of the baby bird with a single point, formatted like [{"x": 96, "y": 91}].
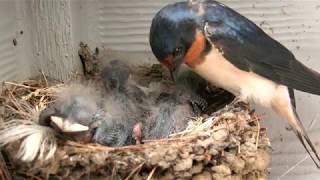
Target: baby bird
[
  {"x": 175, "y": 104},
  {"x": 114, "y": 132},
  {"x": 170, "y": 114},
  {"x": 116, "y": 77},
  {"x": 126, "y": 104},
  {"x": 125, "y": 113},
  {"x": 188, "y": 86},
  {"x": 193, "y": 87},
  {"x": 84, "y": 114},
  {"x": 74, "y": 115},
  {"x": 154, "y": 112}
]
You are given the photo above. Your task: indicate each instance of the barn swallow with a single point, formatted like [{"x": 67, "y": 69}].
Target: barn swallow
[
  {"x": 233, "y": 53},
  {"x": 170, "y": 114},
  {"x": 75, "y": 118},
  {"x": 193, "y": 87},
  {"x": 69, "y": 116},
  {"x": 126, "y": 104},
  {"x": 74, "y": 115},
  {"x": 114, "y": 131},
  {"x": 175, "y": 103},
  {"x": 167, "y": 109},
  {"x": 115, "y": 75},
  {"x": 188, "y": 86}
]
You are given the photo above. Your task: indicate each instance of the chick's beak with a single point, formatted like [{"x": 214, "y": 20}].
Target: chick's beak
[{"x": 65, "y": 126}]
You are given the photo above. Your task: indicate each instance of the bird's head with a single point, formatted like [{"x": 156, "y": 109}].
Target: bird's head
[
  {"x": 74, "y": 117},
  {"x": 115, "y": 75},
  {"x": 176, "y": 37}
]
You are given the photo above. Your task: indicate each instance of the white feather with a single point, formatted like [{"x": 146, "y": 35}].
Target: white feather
[
  {"x": 36, "y": 141},
  {"x": 247, "y": 86}
]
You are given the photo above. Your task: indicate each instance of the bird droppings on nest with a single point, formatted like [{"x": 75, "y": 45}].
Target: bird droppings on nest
[{"x": 225, "y": 144}]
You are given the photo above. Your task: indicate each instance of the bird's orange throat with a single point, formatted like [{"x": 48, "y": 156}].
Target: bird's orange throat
[
  {"x": 168, "y": 61},
  {"x": 193, "y": 55}
]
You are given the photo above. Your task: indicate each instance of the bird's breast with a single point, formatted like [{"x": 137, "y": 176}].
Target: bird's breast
[{"x": 246, "y": 85}]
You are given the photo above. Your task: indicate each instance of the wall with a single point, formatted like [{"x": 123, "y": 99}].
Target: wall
[
  {"x": 43, "y": 39},
  {"x": 52, "y": 38},
  {"x": 11, "y": 56}
]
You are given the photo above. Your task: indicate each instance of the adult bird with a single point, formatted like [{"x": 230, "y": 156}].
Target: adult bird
[{"x": 233, "y": 53}]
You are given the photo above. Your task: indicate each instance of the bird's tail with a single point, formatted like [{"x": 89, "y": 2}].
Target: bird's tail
[
  {"x": 302, "y": 135},
  {"x": 287, "y": 109}
]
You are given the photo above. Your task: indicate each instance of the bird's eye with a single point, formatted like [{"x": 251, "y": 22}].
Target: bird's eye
[{"x": 177, "y": 52}]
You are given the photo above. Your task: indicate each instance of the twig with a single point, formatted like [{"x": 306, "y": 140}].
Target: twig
[
  {"x": 258, "y": 133},
  {"x": 151, "y": 173},
  {"x": 20, "y": 85},
  {"x": 21, "y": 113},
  {"x": 113, "y": 174},
  {"x": 88, "y": 146},
  {"x": 134, "y": 171},
  {"x": 29, "y": 176},
  {"x": 171, "y": 139},
  {"x": 45, "y": 78},
  {"x": 14, "y": 100}
]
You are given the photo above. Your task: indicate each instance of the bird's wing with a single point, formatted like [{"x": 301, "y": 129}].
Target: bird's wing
[{"x": 247, "y": 47}]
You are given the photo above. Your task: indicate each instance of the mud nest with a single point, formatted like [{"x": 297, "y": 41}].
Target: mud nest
[{"x": 225, "y": 143}]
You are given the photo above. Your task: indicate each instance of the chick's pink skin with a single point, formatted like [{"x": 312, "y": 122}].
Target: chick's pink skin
[{"x": 137, "y": 132}]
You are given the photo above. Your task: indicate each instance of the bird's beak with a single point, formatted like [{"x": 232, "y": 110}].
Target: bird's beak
[
  {"x": 173, "y": 66},
  {"x": 174, "y": 69},
  {"x": 173, "y": 73},
  {"x": 65, "y": 126}
]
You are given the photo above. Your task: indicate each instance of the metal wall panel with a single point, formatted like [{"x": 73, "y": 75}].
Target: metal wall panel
[
  {"x": 8, "y": 60},
  {"x": 16, "y": 60},
  {"x": 124, "y": 25}
]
